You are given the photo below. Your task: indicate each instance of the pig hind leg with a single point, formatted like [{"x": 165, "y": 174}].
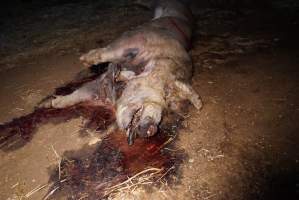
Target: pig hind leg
[
  {"x": 101, "y": 89},
  {"x": 85, "y": 93}
]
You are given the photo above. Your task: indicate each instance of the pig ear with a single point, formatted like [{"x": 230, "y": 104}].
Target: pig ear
[
  {"x": 130, "y": 53},
  {"x": 185, "y": 91}
]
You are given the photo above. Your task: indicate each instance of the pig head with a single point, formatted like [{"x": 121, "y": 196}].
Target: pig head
[{"x": 140, "y": 107}]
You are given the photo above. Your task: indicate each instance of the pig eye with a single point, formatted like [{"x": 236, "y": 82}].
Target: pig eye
[{"x": 131, "y": 53}]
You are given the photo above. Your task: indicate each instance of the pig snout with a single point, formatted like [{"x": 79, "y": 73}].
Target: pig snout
[
  {"x": 144, "y": 123},
  {"x": 147, "y": 128},
  {"x": 149, "y": 120},
  {"x": 140, "y": 119}
]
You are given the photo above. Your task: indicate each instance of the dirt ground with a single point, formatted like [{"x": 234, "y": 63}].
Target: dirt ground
[{"x": 241, "y": 145}]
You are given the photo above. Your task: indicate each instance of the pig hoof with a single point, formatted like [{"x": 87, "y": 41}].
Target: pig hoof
[
  {"x": 147, "y": 128},
  {"x": 91, "y": 58},
  {"x": 46, "y": 103}
]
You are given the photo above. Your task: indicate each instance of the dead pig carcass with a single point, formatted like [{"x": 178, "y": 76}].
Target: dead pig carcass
[{"x": 153, "y": 62}]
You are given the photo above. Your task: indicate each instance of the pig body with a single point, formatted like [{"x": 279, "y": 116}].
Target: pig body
[{"x": 154, "y": 64}]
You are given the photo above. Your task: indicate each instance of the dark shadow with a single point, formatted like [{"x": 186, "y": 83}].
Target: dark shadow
[
  {"x": 273, "y": 181},
  {"x": 282, "y": 185}
]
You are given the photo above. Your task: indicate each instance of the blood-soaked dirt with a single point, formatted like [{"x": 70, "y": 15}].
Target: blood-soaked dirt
[
  {"x": 98, "y": 115},
  {"x": 242, "y": 145},
  {"x": 91, "y": 171}
]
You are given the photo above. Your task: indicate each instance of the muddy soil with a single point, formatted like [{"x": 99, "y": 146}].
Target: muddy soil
[{"x": 241, "y": 145}]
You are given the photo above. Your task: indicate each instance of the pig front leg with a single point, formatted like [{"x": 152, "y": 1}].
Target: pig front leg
[
  {"x": 124, "y": 49},
  {"x": 109, "y": 54},
  {"x": 96, "y": 56}
]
